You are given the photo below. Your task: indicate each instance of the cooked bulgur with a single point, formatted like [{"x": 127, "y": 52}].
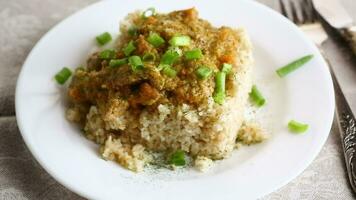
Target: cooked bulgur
[{"x": 139, "y": 108}]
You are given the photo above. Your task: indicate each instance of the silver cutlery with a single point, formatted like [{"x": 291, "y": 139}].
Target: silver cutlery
[
  {"x": 336, "y": 15},
  {"x": 303, "y": 13}
]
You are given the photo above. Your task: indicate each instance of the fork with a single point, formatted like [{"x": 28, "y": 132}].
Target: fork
[{"x": 302, "y": 13}]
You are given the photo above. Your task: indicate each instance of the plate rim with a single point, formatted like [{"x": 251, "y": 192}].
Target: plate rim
[{"x": 80, "y": 192}]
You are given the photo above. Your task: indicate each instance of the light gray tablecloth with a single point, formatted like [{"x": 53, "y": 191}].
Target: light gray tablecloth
[{"x": 22, "y": 23}]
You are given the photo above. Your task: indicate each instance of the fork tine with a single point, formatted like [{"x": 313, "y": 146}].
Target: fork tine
[
  {"x": 309, "y": 12},
  {"x": 283, "y": 8},
  {"x": 288, "y": 9},
  {"x": 298, "y": 11},
  {"x": 306, "y": 18},
  {"x": 294, "y": 12},
  {"x": 313, "y": 14}
]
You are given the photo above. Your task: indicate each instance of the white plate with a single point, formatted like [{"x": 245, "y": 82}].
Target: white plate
[{"x": 306, "y": 95}]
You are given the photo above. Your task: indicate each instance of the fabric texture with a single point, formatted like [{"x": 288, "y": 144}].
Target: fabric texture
[{"x": 23, "y": 23}]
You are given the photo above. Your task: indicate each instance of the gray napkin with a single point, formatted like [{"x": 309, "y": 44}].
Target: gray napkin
[{"x": 23, "y": 23}]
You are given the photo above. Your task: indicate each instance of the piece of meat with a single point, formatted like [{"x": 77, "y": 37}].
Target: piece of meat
[
  {"x": 190, "y": 14},
  {"x": 151, "y": 20},
  {"x": 142, "y": 45},
  {"x": 94, "y": 62},
  {"x": 147, "y": 95},
  {"x": 228, "y": 58}
]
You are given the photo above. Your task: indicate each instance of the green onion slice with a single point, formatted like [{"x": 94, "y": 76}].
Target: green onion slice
[
  {"x": 203, "y": 72},
  {"x": 283, "y": 71},
  {"x": 155, "y": 39},
  {"x": 193, "y": 54},
  {"x": 169, "y": 71},
  {"x": 133, "y": 30},
  {"x": 80, "y": 68},
  {"x": 117, "y": 62},
  {"x": 103, "y": 38},
  {"x": 226, "y": 68},
  {"x": 107, "y": 54},
  {"x": 175, "y": 49},
  {"x": 180, "y": 40},
  {"x": 136, "y": 63},
  {"x": 219, "y": 93},
  {"x": 297, "y": 127},
  {"x": 130, "y": 47},
  {"x": 148, "y": 13},
  {"x": 256, "y": 97},
  {"x": 63, "y": 75},
  {"x": 219, "y": 97},
  {"x": 149, "y": 57},
  {"x": 169, "y": 57},
  {"x": 177, "y": 158}
]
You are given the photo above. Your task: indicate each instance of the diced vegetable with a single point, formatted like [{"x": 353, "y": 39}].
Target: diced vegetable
[
  {"x": 203, "y": 72},
  {"x": 193, "y": 54},
  {"x": 256, "y": 97},
  {"x": 169, "y": 57},
  {"x": 103, "y": 38},
  {"x": 283, "y": 71},
  {"x": 177, "y": 158},
  {"x": 175, "y": 49},
  {"x": 80, "y": 68},
  {"x": 107, "y": 54},
  {"x": 136, "y": 63},
  {"x": 180, "y": 40},
  {"x": 219, "y": 93},
  {"x": 63, "y": 75},
  {"x": 117, "y": 62},
  {"x": 149, "y": 57},
  {"x": 155, "y": 39},
  {"x": 297, "y": 127},
  {"x": 219, "y": 97},
  {"x": 169, "y": 71},
  {"x": 148, "y": 13},
  {"x": 132, "y": 30},
  {"x": 162, "y": 66},
  {"x": 226, "y": 68},
  {"x": 130, "y": 47}
]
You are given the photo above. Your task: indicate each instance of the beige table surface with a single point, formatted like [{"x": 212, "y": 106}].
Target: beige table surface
[{"x": 23, "y": 23}]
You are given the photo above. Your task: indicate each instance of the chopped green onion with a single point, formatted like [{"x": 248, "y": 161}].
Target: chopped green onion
[
  {"x": 193, "y": 54},
  {"x": 297, "y": 127},
  {"x": 220, "y": 82},
  {"x": 103, "y": 38},
  {"x": 63, "y": 75},
  {"x": 107, "y": 54},
  {"x": 283, "y": 71},
  {"x": 175, "y": 49},
  {"x": 136, "y": 63},
  {"x": 117, "y": 62},
  {"x": 162, "y": 66},
  {"x": 226, "y": 68},
  {"x": 130, "y": 47},
  {"x": 148, "y": 57},
  {"x": 148, "y": 13},
  {"x": 177, "y": 158},
  {"x": 180, "y": 40},
  {"x": 80, "y": 68},
  {"x": 155, "y": 39},
  {"x": 256, "y": 97},
  {"x": 219, "y": 93},
  {"x": 169, "y": 57},
  {"x": 219, "y": 97},
  {"x": 132, "y": 30},
  {"x": 169, "y": 71},
  {"x": 203, "y": 72}
]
